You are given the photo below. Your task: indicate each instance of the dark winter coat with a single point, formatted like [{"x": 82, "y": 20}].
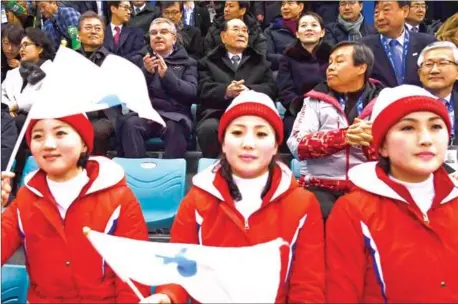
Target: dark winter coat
[
  {"x": 279, "y": 38},
  {"x": 145, "y": 17}
]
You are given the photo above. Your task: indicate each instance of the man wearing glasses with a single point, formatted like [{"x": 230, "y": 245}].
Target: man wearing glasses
[
  {"x": 415, "y": 21},
  {"x": 438, "y": 71},
  {"x": 121, "y": 39}
]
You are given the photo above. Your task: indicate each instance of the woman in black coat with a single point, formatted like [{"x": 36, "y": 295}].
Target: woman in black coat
[{"x": 303, "y": 65}]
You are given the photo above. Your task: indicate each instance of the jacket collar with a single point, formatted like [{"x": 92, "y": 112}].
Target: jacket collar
[
  {"x": 372, "y": 178},
  {"x": 282, "y": 181},
  {"x": 297, "y": 51},
  {"x": 102, "y": 172}
]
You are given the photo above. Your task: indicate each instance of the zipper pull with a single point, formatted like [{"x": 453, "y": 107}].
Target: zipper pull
[
  {"x": 425, "y": 218},
  {"x": 247, "y": 226}
]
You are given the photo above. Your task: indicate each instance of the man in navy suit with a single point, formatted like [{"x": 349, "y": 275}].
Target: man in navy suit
[
  {"x": 396, "y": 49},
  {"x": 120, "y": 39},
  {"x": 438, "y": 70}
]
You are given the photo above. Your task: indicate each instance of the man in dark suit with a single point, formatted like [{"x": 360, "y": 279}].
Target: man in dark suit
[
  {"x": 416, "y": 21},
  {"x": 396, "y": 49},
  {"x": 188, "y": 36},
  {"x": 438, "y": 70},
  {"x": 120, "y": 39},
  {"x": 232, "y": 67},
  {"x": 196, "y": 16},
  {"x": 143, "y": 14}
]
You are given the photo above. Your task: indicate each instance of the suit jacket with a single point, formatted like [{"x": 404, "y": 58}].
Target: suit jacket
[
  {"x": 192, "y": 41},
  {"x": 383, "y": 70},
  {"x": 202, "y": 19},
  {"x": 145, "y": 17},
  {"x": 131, "y": 41}
]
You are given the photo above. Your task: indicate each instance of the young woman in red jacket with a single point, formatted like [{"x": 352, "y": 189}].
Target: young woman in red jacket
[
  {"x": 249, "y": 198},
  {"x": 394, "y": 238},
  {"x": 70, "y": 190}
]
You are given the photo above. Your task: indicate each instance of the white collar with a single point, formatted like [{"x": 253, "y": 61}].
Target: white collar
[
  {"x": 189, "y": 7},
  {"x": 230, "y": 55},
  {"x": 400, "y": 39},
  {"x": 410, "y": 27},
  {"x": 141, "y": 7},
  {"x": 448, "y": 97},
  {"x": 113, "y": 28}
]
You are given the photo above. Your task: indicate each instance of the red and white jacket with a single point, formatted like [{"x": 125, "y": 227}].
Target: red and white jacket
[
  {"x": 381, "y": 248},
  {"x": 62, "y": 264},
  {"x": 318, "y": 137},
  {"x": 208, "y": 216}
]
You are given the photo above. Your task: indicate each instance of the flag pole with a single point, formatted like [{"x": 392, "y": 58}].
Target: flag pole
[
  {"x": 86, "y": 231},
  {"x": 18, "y": 143}
]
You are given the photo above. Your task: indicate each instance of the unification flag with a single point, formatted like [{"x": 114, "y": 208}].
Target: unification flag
[{"x": 209, "y": 274}]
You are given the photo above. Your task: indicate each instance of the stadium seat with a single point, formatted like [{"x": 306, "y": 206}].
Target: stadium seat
[
  {"x": 30, "y": 165},
  {"x": 15, "y": 283},
  {"x": 296, "y": 167},
  {"x": 159, "y": 186},
  {"x": 281, "y": 109},
  {"x": 205, "y": 163}
]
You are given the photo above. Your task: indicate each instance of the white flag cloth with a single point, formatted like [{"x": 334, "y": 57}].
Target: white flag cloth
[
  {"x": 74, "y": 84},
  {"x": 209, "y": 274}
]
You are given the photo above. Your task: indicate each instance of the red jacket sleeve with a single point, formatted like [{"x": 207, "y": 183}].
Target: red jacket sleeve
[
  {"x": 307, "y": 281},
  {"x": 11, "y": 239},
  {"x": 345, "y": 254},
  {"x": 370, "y": 153},
  {"x": 322, "y": 143},
  {"x": 131, "y": 225},
  {"x": 184, "y": 230}
]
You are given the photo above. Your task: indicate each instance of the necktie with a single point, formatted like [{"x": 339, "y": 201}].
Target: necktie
[
  {"x": 137, "y": 11},
  {"x": 397, "y": 59},
  {"x": 116, "y": 36},
  {"x": 235, "y": 60},
  {"x": 414, "y": 29}
]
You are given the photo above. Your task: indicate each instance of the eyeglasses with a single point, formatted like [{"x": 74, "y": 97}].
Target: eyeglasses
[
  {"x": 171, "y": 13},
  {"x": 347, "y": 3},
  {"x": 419, "y": 6},
  {"x": 429, "y": 65},
  {"x": 162, "y": 32},
  {"x": 26, "y": 44},
  {"x": 125, "y": 7}
]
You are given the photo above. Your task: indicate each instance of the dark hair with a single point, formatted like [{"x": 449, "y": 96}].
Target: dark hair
[
  {"x": 90, "y": 15},
  {"x": 113, "y": 3},
  {"x": 400, "y": 3},
  {"x": 362, "y": 54},
  {"x": 41, "y": 39},
  {"x": 244, "y": 4},
  {"x": 83, "y": 159},
  {"x": 13, "y": 32},
  {"x": 226, "y": 173},
  {"x": 167, "y": 4},
  {"x": 314, "y": 15}
]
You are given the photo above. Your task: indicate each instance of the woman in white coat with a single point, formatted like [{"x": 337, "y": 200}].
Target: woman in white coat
[{"x": 36, "y": 52}]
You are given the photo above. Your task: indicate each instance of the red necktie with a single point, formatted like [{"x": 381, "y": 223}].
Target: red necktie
[{"x": 116, "y": 36}]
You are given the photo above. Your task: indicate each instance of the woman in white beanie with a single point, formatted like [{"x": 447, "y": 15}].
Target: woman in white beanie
[
  {"x": 249, "y": 198},
  {"x": 394, "y": 239}
]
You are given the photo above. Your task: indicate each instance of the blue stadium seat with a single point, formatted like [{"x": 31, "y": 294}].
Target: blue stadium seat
[
  {"x": 296, "y": 167},
  {"x": 30, "y": 165},
  {"x": 159, "y": 186},
  {"x": 204, "y": 163},
  {"x": 15, "y": 283},
  {"x": 281, "y": 109}
]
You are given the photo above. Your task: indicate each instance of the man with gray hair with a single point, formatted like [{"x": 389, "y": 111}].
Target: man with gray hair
[
  {"x": 331, "y": 133},
  {"x": 438, "y": 71},
  {"x": 171, "y": 76}
]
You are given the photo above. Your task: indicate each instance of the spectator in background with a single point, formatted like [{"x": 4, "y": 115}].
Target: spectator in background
[
  {"x": 9, "y": 135},
  {"x": 331, "y": 132},
  {"x": 12, "y": 35},
  {"x": 61, "y": 23},
  {"x": 92, "y": 33},
  {"x": 143, "y": 14},
  {"x": 121, "y": 39},
  {"x": 37, "y": 53},
  {"x": 415, "y": 21},
  {"x": 171, "y": 77},
  {"x": 281, "y": 33},
  {"x": 236, "y": 10},
  {"x": 17, "y": 12},
  {"x": 302, "y": 66},
  {"x": 231, "y": 68},
  {"x": 395, "y": 48},
  {"x": 188, "y": 36},
  {"x": 328, "y": 10},
  {"x": 266, "y": 11},
  {"x": 449, "y": 30},
  {"x": 350, "y": 25},
  {"x": 196, "y": 16},
  {"x": 438, "y": 70}
]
